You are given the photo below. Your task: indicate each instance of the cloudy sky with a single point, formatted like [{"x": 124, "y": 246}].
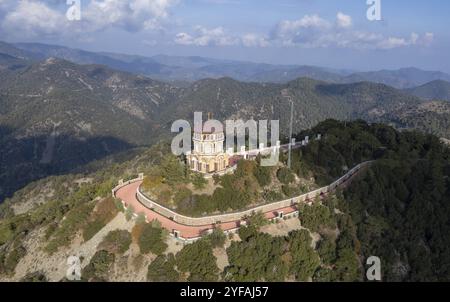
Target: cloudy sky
[{"x": 331, "y": 33}]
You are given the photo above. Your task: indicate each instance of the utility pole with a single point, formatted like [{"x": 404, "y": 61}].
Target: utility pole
[{"x": 290, "y": 131}]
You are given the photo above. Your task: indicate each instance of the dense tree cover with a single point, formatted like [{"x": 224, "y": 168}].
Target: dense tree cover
[
  {"x": 402, "y": 209},
  {"x": 343, "y": 146},
  {"x": 316, "y": 216},
  {"x": 197, "y": 262},
  {"x": 261, "y": 257},
  {"x": 401, "y": 206},
  {"x": 303, "y": 260},
  {"x": 258, "y": 257}
]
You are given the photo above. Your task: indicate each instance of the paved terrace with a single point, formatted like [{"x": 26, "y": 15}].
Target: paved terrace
[{"x": 128, "y": 195}]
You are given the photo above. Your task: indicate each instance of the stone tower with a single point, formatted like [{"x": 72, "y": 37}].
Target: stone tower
[{"x": 208, "y": 155}]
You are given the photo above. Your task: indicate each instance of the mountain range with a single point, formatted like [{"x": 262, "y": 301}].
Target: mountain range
[
  {"x": 57, "y": 116},
  {"x": 177, "y": 69}
]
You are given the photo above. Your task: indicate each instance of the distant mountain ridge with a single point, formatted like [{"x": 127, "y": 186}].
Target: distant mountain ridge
[
  {"x": 189, "y": 69},
  {"x": 435, "y": 90}
]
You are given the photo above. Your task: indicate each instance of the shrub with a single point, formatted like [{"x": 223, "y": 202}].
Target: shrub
[
  {"x": 34, "y": 277},
  {"x": 181, "y": 195},
  {"x": 117, "y": 241},
  {"x": 285, "y": 175},
  {"x": 92, "y": 228},
  {"x": 199, "y": 181},
  {"x": 162, "y": 269},
  {"x": 217, "y": 237},
  {"x": 73, "y": 221},
  {"x": 305, "y": 260},
  {"x": 246, "y": 232},
  {"x": 326, "y": 248},
  {"x": 151, "y": 240},
  {"x": 129, "y": 212},
  {"x": 273, "y": 196},
  {"x": 315, "y": 217},
  {"x": 12, "y": 259},
  {"x": 119, "y": 205},
  {"x": 99, "y": 266},
  {"x": 104, "y": 212},
  {"x": 291, "y": 191},
  {"x": 136, "y": 232},
  {"x": 257, "y": 219},
  {"x": 263, "y": 175},
  {"x": 140, "y": 218},
  {"x": 198, "y": 260}
]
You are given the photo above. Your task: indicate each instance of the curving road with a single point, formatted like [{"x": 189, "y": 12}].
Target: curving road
[{"x": 128, "y": 195}]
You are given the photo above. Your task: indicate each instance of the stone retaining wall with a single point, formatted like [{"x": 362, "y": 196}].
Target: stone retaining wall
[{"x": 229, "y": 217}]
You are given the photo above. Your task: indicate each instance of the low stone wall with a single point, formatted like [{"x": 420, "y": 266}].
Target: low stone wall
[
  {"x": 126, "y": 183},
  {"x": 229, "y": 217}
]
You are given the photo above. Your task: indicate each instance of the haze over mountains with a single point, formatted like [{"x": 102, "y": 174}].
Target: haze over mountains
[
  {"x": 56, "y": 115},
  {"x": 188, "y": 69}
]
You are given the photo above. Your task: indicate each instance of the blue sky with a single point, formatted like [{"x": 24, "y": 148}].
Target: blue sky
[{"x": 330, "y": 33}]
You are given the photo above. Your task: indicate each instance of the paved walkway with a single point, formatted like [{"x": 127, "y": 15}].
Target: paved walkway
[{"x": 128, "y": 195}]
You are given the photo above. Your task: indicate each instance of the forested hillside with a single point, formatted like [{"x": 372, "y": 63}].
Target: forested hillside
[
  {"x": 435, "y": 90},
  {"x": 398, "y": 210},
  {"x": 401, "y": 207}
]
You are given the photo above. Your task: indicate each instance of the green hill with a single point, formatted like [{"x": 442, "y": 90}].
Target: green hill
[{"x": 435, "y": 90}]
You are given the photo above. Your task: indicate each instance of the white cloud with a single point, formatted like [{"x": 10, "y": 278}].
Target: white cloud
[
  {"x": 206, "y": 37},
  {"x": 254, "y": 40},
  {"x": 428, "y": 38},
  {"x": 34, "y": 18},
  {"x": 312, "y": 31},
  {"x": 129, "y": 15},
  {"x": 218, "y": 36},
  {"x": 414, "y": 39},
  {"x": 343, "y": 21},
  {"x": 47, "y": 18}
]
